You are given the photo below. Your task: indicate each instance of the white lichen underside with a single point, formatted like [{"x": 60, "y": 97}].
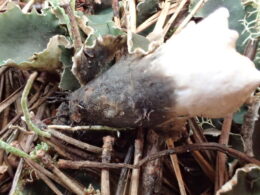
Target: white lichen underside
[{"x": 211, "y": 78}]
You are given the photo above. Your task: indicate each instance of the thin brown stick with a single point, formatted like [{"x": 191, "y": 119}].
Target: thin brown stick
[
  {"x": 174, "y": 16},
  {"x": 27, "y": 7},
  {"x": 106, "y": 157},
  {"x": 161, "y": 20},
  {"x": 177, "y": 150},
  {"x": 34, "y": 105},
  {"x": 2, "y": 82},
  {"x": 199, "y": 137},
  {"x": 176, "y": 167},
  {"x": 153, "y": 19},
  {"x": 191, "y": 14},
  {"x": 11, "y": 99},
  {"x": 41, "y": 171},
  {"x": 139, "y": 143},
  {"x": 204, "y": 164},
  {"x": 152, "y": 170},
  {"x": 115, "y": 6},
  {"x": 1, "y": 8},
  {"x": 7, "y": 93},
  {"x": 69, "y": 164},
  {"x": 248, "y": 126},
  {"x": 60, "y": 150},
  {"x": 67, "y": 181},
  {"x": 43, "y": 99},
  {"x": 121, "y": 187},
  {"x": 76, "y": 37},
  {"x": 20, "y": 165},
  {"x": 75, "y": 142},
  {"x": 5, "y": 133},
  {"x": 251, "y": 116},
  {"x": 88, "y": 127},
  {"x": 48, "y": 182},
  {"x": 132, "y": 15},
  {"x": 251, "y": 49},
  {"x": 44, "y": 171},
  {"x": 22, "y": 129},
  {"x": 80, "y": 154},
  {"x": 202, "y": 146},
  {"x": 221, "y": 170}
]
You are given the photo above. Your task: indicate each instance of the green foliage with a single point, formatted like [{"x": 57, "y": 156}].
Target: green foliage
[
  {"x": 239, "y": 115},
  {"x": 138, "y": 42},
  {"x": 252, "y": 25},
  {"x": 100, "y": 25},
  {"x": 29, "y": 41},
  {"x": 68, "y": 80},
  {"x": 252, "y": 19},
  {"x": 60, "y": 13}
]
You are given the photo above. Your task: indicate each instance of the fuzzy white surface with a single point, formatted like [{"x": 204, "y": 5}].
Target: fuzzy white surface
[{"x": 211, "y": 78}]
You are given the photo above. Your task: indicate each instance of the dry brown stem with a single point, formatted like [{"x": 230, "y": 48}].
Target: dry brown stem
[
  {"x": 115, "y": 6},
  {"x": 106, "y": 157},
  {"x": 221, "y": 171},
  {"x": 152, "y": 170},
  {"x": 199, "y": 137},
  {"x": 75, "y": 142},
  {"x": 176, "y": 167},
  {"x": 191, "y": 14},
  {"x": 139, "y": 142},
  {"x": 48, "y": 182},
  {"x": 76, "y": 37},
  {"x": 248, "y": 126},
  {"x": 204, "y": 164},
  {"x": 180, "y": 149},
  {"x": 153, "y": 19},
  {"x": 174, "y": 16},
  {"x": 124, "y": 175}
]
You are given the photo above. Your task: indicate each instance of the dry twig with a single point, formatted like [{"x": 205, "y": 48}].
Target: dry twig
[
  {"x": 106, "y": 157},
  {"x": 122, "y": 182},
  {"x": 191, "y": 14},
  {"x": 76, "y": 37},
  {"x": 161, "y": 20},
  {"x": 221, "y": 171},
  {"x": 176, "y": 167},
  {"x": 177, "y": 150},
  {"x": 75, "y": 142},
  {"x": 132, "y": 15},
  {"x": 152, "y": 170},
  {"x": 20, "y": 165},
  {"x": 139, "y": 143},
  {"x": 153, "y": 19},
  {"x": 115, "y": 6},
  {"x": 204, "y": 164},
  {"x": 28, "y": 6},
  {"x": 248, "y": 126},
  {"x": 11, "y": 99},
  {"x": 174, "y": 16},
  {"x": 90, "y": 127}
]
